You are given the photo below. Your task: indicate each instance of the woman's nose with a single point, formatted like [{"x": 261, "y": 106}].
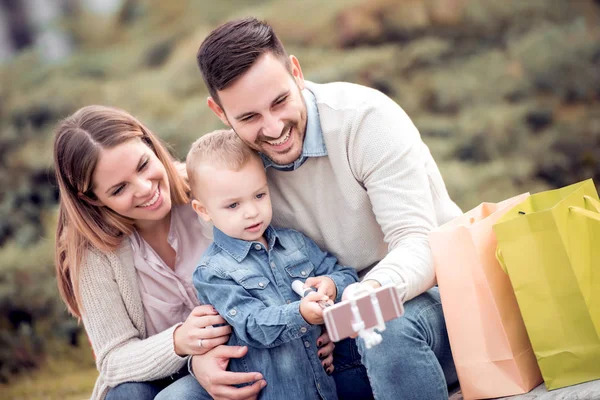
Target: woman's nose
[{"x": 144, "y": 187}]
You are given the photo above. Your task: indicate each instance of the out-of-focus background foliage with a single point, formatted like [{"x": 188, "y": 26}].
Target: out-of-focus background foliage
[{"x": 505, "y": 92}]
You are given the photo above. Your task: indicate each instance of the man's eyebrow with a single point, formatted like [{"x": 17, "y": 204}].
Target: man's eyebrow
[
  {"x": 249, "y": 113},
  {"x": 110, "y": 189}
]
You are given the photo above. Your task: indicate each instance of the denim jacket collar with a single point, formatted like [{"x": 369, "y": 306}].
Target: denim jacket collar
[
  {"x": 238, "y": 249},
  {"x": 314, "y": 145}
]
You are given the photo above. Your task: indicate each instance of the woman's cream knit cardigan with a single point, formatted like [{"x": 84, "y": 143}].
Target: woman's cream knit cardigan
[{"x": 113, "y": 317}]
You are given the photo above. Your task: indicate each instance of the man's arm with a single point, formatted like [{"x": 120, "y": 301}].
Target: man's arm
[
  {"x": 254, "y": 323},
  {"x": 387, "y": 156}
]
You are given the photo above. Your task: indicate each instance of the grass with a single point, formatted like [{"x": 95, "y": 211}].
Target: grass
[{"x": 67, "y": 373}]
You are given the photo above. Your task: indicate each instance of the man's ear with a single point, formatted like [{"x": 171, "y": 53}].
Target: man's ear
[
  {"x": 297, "y": 72},
  {"x": 200, "y": 210},
  {"x": 212, "y": 104}
]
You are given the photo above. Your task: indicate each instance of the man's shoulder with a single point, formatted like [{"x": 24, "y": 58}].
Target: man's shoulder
[{"x": 345, "y": 95}]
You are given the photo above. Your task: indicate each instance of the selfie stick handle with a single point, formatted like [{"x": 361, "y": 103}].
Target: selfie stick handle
[{"x": 298, "y": 287}]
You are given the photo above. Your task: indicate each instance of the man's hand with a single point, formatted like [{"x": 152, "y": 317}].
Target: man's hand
[
  {"x": 356, "y": 286},
  {"x": 324, "y": 285},
  {"x": 210, "y": 370}
]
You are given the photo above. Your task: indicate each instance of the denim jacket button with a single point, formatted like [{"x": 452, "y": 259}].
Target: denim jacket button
[
  {"x": 303, "y": 329},
  {"x": 289, "y": 301},
  {"x": 306, "y": 344},
  {"x": 261, "y": 284},
  {"x": 232, "y": 312},
  {"x": 257, "y": 246},
  {"x": 272, "y": 264},
  {"x": 303, "y": 273}
]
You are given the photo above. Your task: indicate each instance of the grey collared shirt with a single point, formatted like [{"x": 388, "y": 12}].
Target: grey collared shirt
[{"x": 313, "y": 146}]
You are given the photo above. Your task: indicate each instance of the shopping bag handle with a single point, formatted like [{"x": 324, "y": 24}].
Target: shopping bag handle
[
  {"x": 593, "y": 202},
  {"x": 585, "y": 212},
  {"x": 500, "y": 259}
]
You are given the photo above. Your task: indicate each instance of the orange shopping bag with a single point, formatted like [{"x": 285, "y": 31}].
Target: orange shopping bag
[{"x": 490, "y": 346}]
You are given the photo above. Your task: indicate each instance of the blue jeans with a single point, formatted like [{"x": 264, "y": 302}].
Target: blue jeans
[
  {"x": 412, "y": 362},
  {"x": 180, "y": 386}
]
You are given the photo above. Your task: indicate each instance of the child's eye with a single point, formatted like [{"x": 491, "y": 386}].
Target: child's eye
[
  {"x": 233, "y": 205},
  {"x": 260, "y": 195}
]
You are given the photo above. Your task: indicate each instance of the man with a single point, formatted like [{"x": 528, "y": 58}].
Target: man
[{"x": 347, "y": 167}]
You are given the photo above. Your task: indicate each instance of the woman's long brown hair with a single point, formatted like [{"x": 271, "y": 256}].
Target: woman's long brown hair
[{"x": 81, "y": 222}]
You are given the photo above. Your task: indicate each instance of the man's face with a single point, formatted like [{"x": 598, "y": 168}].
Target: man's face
[{"x": 266, "y": 109}]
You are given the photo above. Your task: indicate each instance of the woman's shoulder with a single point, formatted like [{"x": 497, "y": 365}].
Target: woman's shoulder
[
  {"x": 188, "y": 217},
  {"x": 96, "y": 260}
]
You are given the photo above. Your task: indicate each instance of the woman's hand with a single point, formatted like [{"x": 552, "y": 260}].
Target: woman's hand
[
  {"x": 325, "y": 352},
  {"x": 211, "y": 372},
  {"x": 198, "y": 334}
]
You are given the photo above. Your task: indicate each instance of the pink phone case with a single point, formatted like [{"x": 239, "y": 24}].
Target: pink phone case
[{"x": 339, "y": 318}]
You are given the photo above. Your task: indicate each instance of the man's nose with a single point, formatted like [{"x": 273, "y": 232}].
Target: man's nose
[{"x": 273, "y": 126}]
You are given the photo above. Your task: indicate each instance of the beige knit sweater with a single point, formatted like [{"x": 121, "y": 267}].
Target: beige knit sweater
[
  {"x": 113, "y": 317},
  {"x": 375, "y": 196}
]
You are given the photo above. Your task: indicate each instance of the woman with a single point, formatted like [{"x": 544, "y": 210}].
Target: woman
[{"x": 127, "y": 243}]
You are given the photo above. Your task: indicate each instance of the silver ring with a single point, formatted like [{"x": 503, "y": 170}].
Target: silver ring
[{"x": 200, "y": 343}]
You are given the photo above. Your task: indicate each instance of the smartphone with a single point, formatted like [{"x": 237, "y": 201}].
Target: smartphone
[{"x": 339, "y": 317}]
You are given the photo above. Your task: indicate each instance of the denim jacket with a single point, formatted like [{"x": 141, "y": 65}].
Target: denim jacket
[{"x": 250, "y": 286}]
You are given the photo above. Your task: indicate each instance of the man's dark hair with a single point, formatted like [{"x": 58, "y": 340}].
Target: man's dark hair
[{"x": 231, "y": 49}]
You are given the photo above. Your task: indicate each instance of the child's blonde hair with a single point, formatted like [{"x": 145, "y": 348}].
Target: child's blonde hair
[{"x": 221, "y": 148}]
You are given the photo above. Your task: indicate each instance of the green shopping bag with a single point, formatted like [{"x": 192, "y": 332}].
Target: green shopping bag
[
  {"x": 585, "y": 254},
  {"x": 548, "y": 244}
]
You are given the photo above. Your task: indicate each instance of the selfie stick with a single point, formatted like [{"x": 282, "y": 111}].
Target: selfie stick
[
  {"x": 298, "y": 287},
  {"x": 370, "y": 337}
]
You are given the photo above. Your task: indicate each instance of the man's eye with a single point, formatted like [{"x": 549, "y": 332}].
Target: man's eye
[
  {"x": 232, "y": 205},
  {"x": 281, "y": 100},
  {"x": 248, "y": 118}
]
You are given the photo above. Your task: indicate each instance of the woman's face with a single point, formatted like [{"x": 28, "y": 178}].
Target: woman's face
[{"x": 130, "y": 180}]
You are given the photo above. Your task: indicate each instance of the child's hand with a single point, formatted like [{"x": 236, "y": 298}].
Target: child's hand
[
  {"x": 310, "y": 310},
  {"x": 324, "y": 285}
]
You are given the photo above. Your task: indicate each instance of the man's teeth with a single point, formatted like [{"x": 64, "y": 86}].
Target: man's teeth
[
  {"x": 281, "y": 140},
  {"x": 153, "y": 200}
]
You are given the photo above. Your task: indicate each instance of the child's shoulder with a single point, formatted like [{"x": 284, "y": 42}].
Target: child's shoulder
[
  {"x": 291, "y": 237},
  {"x": 215, "y": 256}
]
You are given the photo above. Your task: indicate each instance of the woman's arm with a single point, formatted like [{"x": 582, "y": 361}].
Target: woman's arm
[{"x": 121, "y": 353}]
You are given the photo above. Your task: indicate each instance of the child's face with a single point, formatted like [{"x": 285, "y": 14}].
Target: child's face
[{"x": 237, "y": 202}]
